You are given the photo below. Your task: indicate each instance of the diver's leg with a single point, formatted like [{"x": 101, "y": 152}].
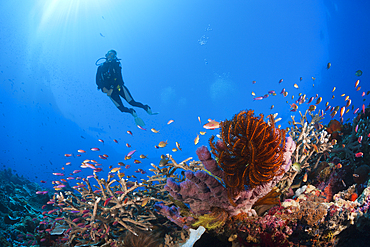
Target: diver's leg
[
  {"x": 118, "y": 103},
  {"x": 128, "y": 97}
]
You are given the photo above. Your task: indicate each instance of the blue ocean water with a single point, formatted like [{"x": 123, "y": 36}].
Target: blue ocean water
[{"x": 186, "y": 59}]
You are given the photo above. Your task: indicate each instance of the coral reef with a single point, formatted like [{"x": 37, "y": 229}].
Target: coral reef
[{"x": 248, "y": 193}]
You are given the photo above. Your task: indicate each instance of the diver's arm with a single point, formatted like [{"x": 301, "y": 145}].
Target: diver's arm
[
  {"x": 100, "y": 82},
  {"x": 99, "y": 79}
]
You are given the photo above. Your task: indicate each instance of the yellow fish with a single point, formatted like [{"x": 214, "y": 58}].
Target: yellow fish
[
  {"x": 296, "y": 167},
  {"x": 333, "y": 89},
  {"x": 196, "y": 140},
  {"x": 145, "y": 201},
  {"x": 115, "y": 169},
  {"x": 178, "y": 146},
  {"x": 142, "y": 156},
  {"x": 174, "y": 149},
  {"x": 154, "y": 130},
  {"x": 162, "y": 144},
  {"x": 202, "y": 133},
  {"x": 296, "y": 85}
]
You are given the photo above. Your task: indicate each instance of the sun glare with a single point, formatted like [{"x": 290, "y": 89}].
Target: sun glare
[{"x": 54, "y": 13}]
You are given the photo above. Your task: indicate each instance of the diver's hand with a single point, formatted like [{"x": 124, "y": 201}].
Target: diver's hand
[{"x": 108, "y": 92}]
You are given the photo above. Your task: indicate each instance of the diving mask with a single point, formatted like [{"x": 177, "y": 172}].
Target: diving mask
[{"x": 111, "y": 55}]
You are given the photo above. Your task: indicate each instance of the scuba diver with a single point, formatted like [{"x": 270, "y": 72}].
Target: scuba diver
[{"x": 109, "y": 80}]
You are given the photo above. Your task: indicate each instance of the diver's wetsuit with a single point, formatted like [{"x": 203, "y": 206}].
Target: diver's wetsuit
[{"x": 109, "y": 75}]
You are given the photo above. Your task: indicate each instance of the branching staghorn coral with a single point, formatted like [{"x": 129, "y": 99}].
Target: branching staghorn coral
[
  {"x": 96, "y": 215},
  {"x": 167, "y": 169},
  {"x": 250, "y": 151},
  {"x": 312, "y": 144}
]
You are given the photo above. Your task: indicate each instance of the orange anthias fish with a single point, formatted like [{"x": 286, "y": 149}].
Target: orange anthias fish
[
  {"x": 140, "y": 127},
  {"x": 211, "y": 125},
  {"x": 293, "y": 107},
  {"x": 311, "y": 108},
  {"x": 342, "y": 111},
  {"x": 131, "y": 153},
  {"x": 107, "y": 201},
  {"x": 196, "y": 140},
  {"x": 357, "y": 82}
]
